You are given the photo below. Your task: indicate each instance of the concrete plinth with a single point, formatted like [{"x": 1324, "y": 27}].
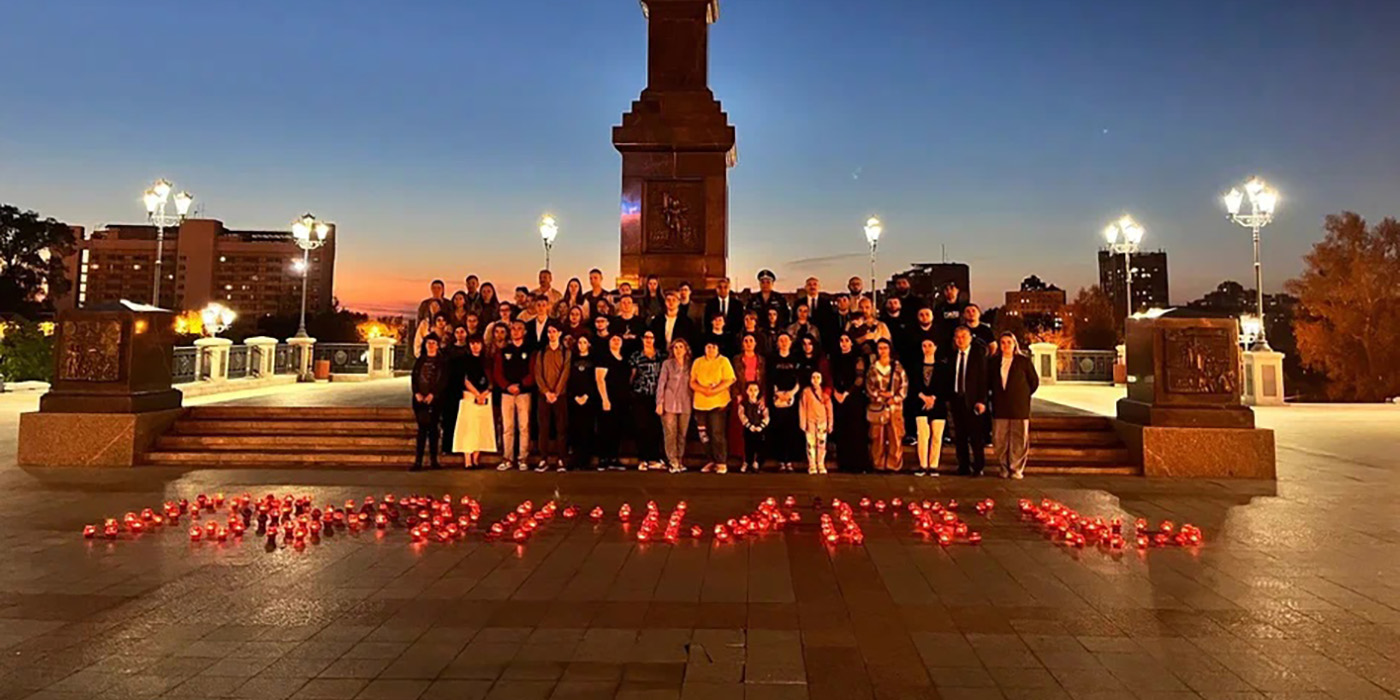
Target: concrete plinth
[
  {"x": 262, "y": 356},
  {"x": 381, "y": 358},
  {"x": 89, "y": 439},
  {"x": 1263, "y": 378},
  {"x": 302, "y": 348},
  {"x": 1043, "y": 358},
  {"x": 211, "y": 357},
  {"x": 1196, "y": 453}
]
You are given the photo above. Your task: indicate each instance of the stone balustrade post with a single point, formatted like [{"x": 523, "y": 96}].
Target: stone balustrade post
[
  {"x": 211, "y": 355},
  {"x": 1263, "y": 378},
  {"x": 262, "y": 356},
  {"x": 1044, "y": 356},
  {"x": 381, "y": 358},
  {"x": 303, "y": 348}
]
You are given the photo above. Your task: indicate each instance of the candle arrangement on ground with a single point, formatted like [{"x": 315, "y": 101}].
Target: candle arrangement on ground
[
  {"x": 942, "y": 523},
  {"x": 1068, "y": 527},
  {"x": 767, "y": 517}
]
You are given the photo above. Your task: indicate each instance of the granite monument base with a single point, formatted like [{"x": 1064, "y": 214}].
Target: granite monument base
[
  {"x": 1201, "y": 453},
  {"x": 89, "y": 439}
]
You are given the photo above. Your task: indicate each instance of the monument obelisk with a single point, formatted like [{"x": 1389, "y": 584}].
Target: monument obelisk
[{"x": 677, "y": 147}]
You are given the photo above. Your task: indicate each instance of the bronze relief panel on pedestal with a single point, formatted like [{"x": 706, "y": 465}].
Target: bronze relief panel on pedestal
[
  {"x": 91, "y": 350},
  {"x": 674, "y": 217},
  {"x": 1200, "y": 361}
]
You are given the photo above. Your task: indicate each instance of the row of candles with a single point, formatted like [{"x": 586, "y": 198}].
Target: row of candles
[
  {"x": 434, "y": 519},
  {"x": 1070, "y": 528}
]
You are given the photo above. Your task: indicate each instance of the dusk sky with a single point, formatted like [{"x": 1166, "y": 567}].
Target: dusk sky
[{"x": 436, "y": 132}]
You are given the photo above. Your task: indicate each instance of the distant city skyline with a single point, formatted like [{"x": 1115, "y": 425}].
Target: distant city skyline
[{"x": 436, "y": 135}]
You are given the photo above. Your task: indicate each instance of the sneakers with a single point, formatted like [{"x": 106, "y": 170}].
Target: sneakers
[
  {"x": 721, "y": 469},
  {"x": 920, "y": 472},
  {"x": 1018, "y": 475},
  {"x": 642, "y": 466},
  {"x": 812, "y": 470},
  {"x": 709, "y": 467},
  {"x": 821, "y": 469},
  {"x": 676, "y": 469},
  {"x": 522, "y": 466},
  {"x": 543, "y": 467}
]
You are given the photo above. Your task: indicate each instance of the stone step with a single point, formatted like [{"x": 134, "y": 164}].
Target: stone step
[
  {"x": 400, "y": 460},
  {"x": 307, "y": 443},
  {"x": 301, "y": 413},
  {"x": 186, "y": 426}
]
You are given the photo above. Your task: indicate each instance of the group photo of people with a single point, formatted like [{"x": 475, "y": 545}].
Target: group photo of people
[{"x": 585, "y": 377}]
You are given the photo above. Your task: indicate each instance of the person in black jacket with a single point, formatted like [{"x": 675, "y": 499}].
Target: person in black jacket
[
  {"x": 727, "y": 304},
  {"x": 1013, "y": 380},
  {"x": 967, "y": 404},
  {"x": 429, "y": 380},
  {"x": 583, "y": 403},
  {"x": 929, "y": 389},
  {"x": 672, "y": 324}
]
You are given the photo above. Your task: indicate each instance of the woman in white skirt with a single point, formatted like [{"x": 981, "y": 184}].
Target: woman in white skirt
[{"x": 476, "y": 426}]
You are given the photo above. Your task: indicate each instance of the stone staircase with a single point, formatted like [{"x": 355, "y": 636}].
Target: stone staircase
[{"x": 348, "y": 437}]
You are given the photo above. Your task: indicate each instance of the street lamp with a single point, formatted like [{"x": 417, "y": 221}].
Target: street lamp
[
  {"x": 1262, "y": 202},
  {"x": 155, "y": 200},
  {"x": 873, "y": 229},
  {"x": 1124, "y": 237},
  {"x": 309, "y": 234},
  {"x": 549, "y": 230}
]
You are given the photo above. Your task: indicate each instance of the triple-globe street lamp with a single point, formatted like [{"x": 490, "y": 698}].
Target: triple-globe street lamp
[
  {"x": 156, "y": 198},
  {"x": 873, "y": 229},
  {"x": 1124, "y": 237},
  {"x": 309, "y": 233},
  {"x": 1262, "y": 202},
  {"x": 549, "y": 230}
]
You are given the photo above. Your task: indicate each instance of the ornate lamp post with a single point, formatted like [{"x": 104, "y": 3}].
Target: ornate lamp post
[
  {"x": 309, "y": 234},
  {"x": 217, "y": 318},
  {"x": 873, "y": 229},
  {"x": 549, "y": 230},
  {"x": 1124, "y": 237},
  {"x": 1262, "y": 202},
  {"x": 156, "y": 198}
]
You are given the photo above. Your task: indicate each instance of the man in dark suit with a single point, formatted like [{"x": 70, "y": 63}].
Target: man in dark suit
[
  {"x": 537, "y": 322},
  {"x": 1013, "y": 380},
  {"x": 968, "y": 407},
  {"x": 818, "y": 305},
  {"x": 672, "y": 324},
  {"x": 727, "y": 304}
]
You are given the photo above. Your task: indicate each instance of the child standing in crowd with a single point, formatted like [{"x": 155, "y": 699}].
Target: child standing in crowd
[
  {"x": 753, "y": 415},
  {"x": 817, "y": 420}
]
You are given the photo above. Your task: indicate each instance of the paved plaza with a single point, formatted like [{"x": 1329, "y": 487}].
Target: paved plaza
[{"x": 1295, "y": 593}]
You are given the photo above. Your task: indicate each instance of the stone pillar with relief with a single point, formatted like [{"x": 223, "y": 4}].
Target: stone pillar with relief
[
  {"x": 1044, "y": 357},
  {"x": 1263, "y": 377},
  {"x": 111, "y": 394},
  {"x": 1183, "y": 416},
  {"x": 677, "y": 147}
]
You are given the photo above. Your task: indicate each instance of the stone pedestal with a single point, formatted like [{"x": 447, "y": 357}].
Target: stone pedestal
[
  {"x": 677, "y": 147},
  {"x": 1044, "y": 357},
  {"x": 302, "y": 352},
  {"x": 1182, "y": 415},
  {"x": 1263, "y": 378},
  {"x": 211, "y": 359},
  {"x": 111, "y": 393},
  {"x": 262, "y": 356},
  {"x": 1120, "y": 368},
  {"x": 381, "y": 358}
]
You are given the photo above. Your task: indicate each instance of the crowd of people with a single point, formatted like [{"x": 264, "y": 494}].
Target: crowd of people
[{"x": 564, "y": 380}]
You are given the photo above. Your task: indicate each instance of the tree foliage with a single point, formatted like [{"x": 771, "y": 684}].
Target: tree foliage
[
  {"x": 26, "y": 354},
  {"x": 1348, "y": 321},
  {"x": 1089, "y": 321},
  {"x": 31, "y": 260}
]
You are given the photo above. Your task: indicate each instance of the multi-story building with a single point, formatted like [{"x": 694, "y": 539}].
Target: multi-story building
[
  {"x": 255, "y": 273},
  {"x": 1149, "y": 281},
  {"x": 926, "y": 280},
  {"x": 1042, "y": 306}
]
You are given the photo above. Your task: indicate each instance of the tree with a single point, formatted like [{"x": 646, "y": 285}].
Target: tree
[
  {"x": 1348, "y": 321},
  {"x": 31, "y": 260},
  {"x": 25, "y": 353},
  {"x": 1089, "y": 320}
]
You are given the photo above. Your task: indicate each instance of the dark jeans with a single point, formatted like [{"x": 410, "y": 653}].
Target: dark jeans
[
  {"x": 610, "y": 429},
  {"x": 450, "y": 408},
  {"x": 429, "y": 428},
  {"x": 715, "y": 425},
  {"x": 581, "y": 431},
  {"x": 969, "y": 437},
  {"x": 786, "y": 441},
  {"x": 648, "y": 429},
  {"x": 553, "y": 420}
]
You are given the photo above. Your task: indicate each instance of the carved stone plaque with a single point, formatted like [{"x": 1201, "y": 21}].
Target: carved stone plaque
[
  {"x": 1199, "y": 361},
  {"x": 674, "y": 217},
  {"x": 91, "y": 350}
]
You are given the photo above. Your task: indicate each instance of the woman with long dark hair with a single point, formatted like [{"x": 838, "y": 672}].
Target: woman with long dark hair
[
  {"x": 429, "y": 380},
  {"x": 457, "y": 315},
  {"x": 573, "y": 294},
  {"x": 575, "y": 328},
  {"x": 652, "y": 302},
  {"x": 930, "y": 384},
  {"x": 454, "y": 356},
  {"x": 886, "y": 386},
  {"x": 490, "y": 303},
  {"x": 852, "y": 429},
  {"x": 583, "y": 403},
  {"x": 475, "y": 430},
  {"x": 646, "y": 370},
  {"x": 786, "y": 441},
  {"x": 674, "y": 403}
]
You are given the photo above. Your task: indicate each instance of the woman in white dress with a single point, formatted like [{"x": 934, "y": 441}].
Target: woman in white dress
[{"x": 476, "y": 426}]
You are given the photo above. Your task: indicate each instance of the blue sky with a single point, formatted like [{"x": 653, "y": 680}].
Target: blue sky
[{"x": 435, "y": 132}]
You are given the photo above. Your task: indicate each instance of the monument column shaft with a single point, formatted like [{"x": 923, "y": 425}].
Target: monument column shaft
[{"x": 677, "y": 46}]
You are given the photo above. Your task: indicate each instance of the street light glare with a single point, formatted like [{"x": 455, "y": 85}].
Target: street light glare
[
  {"x": 151, "y": 200},
  {"x": 182, "y": 202},
  {"x": 873, "y": 229},
  {"x": 1268, "y": 199},
  {"x": 1110, "y": 233},
  {"x": 549, "y": 228},
  {"x": 1254, "y": 186},
  {"x": 1233, "y": 199},
  {"x": 322, "y": 230},
  {"x": 162, "y": 188}
]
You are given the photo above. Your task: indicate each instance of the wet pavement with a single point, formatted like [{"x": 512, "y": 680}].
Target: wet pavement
[{"x": 1295, "y": 593}]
